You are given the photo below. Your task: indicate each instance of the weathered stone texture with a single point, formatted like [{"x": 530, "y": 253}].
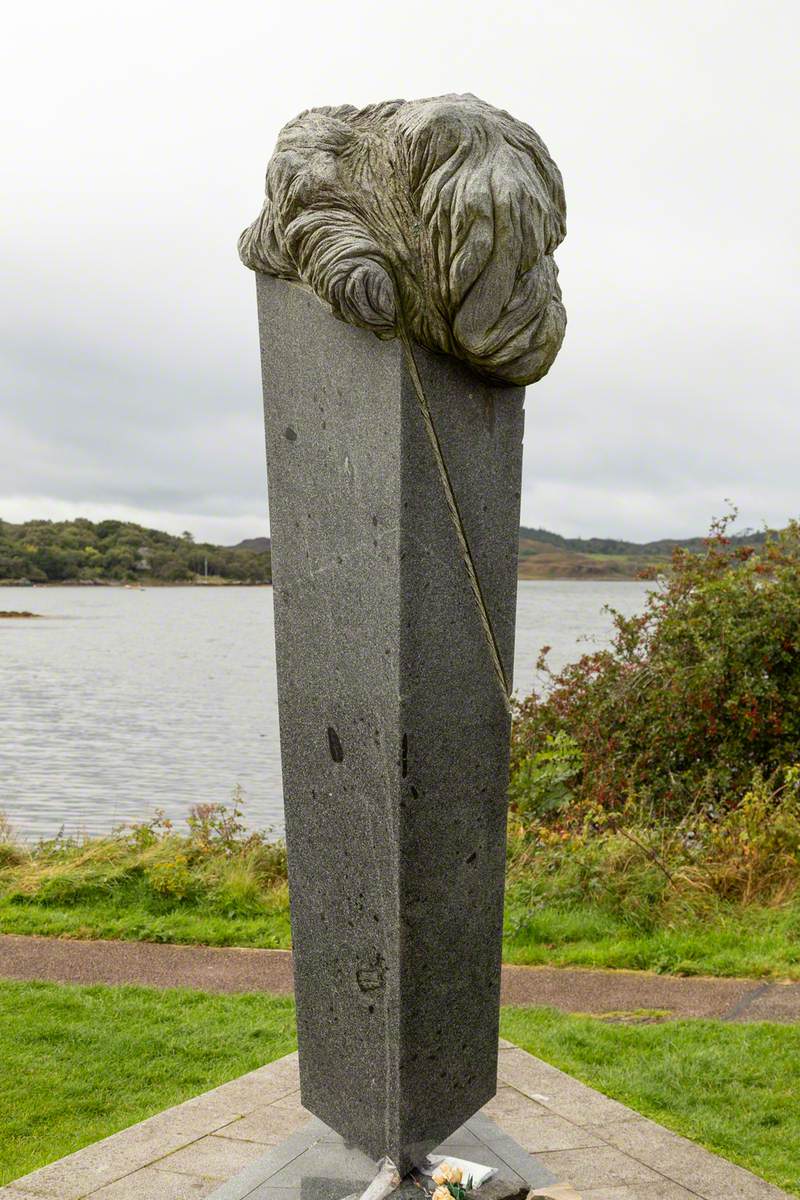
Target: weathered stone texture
[{"x": 394, "y": 727}]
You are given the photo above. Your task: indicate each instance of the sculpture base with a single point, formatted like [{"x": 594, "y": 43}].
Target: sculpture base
[{"x": 316, "y": 1164}]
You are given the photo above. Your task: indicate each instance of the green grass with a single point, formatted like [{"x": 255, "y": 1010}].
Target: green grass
[
  {"x": 733, "y": 1088},
  {"x": 734, "y": 940},
  {"x": 119, "y": 919},
  {"x": 217, "y": 884},
  {"x": 760, "y": 943},
  {"x": 79, "y": 1063}
]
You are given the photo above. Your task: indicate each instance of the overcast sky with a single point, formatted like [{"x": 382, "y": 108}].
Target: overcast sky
[{"x": 134, "y": 143}]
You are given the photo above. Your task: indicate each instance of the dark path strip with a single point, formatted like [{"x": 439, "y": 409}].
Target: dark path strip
[
  {"x": 616, "y": 995},
  {"x": 739, "y": 1010}
]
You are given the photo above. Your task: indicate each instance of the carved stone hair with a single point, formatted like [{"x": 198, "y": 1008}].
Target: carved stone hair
[{"x": 434, "y": 218}]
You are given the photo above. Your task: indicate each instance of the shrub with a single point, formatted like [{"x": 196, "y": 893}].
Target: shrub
[
  {"x": 171, "y": 878},
  {"x": 10, "y": 853},
  {"x": 216, "y": 827},
  {"x": 647, "y": 873},
  {"x": 541, "y": 784},
  {"x": 693, "y": 696},
  {"x": 753, "y": 851}
]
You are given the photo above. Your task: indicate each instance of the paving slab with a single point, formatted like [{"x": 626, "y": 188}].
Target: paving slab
[
  {"x": 325, "y": 1168},
  {"x": 635, "y": 1153},
  {"x": 613, "y": 994},
  {"x": 592, "y": 1147},
  {"x": 268, "y": 1124},
  {"x": 154, "y": 1182},
  {"x": 668, "y": 1153},
  {"x": 640, "y": 1191}
]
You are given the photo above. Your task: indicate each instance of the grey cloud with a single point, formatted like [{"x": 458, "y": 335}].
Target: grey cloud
[
  {"x": 81, "y": 425},
  {"x": 129, "y": 372}
]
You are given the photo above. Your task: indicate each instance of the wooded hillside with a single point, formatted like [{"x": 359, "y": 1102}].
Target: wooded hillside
[
  {"x": 122, "y": 552},
  {"x": 119, "y": 551}
]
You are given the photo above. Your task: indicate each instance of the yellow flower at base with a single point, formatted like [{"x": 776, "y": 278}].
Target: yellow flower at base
[
  {"x": 441, "y": 1193},
  {"x": 445, "y": 1173}
]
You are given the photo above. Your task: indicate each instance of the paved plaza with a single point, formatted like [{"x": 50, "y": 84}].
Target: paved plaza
[{"x": 593, "y": 1147}]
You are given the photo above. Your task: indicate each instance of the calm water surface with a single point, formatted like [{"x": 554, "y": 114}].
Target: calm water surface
[{"x": 126, "y": 701}]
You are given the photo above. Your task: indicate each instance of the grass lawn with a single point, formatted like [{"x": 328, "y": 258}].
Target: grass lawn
[
  {"x": 120, "y": 918},
  {"x": 747, "y": 941},
  {"x": 733, "y": 1088},
  {"x": 79, "y": 1063}
]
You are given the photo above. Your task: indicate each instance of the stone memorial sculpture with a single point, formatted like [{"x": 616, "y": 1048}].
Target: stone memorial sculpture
[
  {"x": 394, "y": 465},
  {"x": 434, "y": 218}
]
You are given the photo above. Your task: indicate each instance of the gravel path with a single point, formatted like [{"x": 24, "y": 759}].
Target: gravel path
[{"x": 621, "y": 995}]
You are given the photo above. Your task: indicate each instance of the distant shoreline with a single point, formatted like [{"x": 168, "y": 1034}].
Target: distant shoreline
[
  {"x": 144, "y": 586},
  {"x": 227, "y": 585},
  {"x": 113, "y": 553}
]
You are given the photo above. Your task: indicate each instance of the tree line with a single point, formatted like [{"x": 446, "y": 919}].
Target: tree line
[{"x": 84, "y": 551}]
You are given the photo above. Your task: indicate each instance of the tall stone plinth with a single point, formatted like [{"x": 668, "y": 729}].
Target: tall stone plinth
[{"x": 394, "y": 724}]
